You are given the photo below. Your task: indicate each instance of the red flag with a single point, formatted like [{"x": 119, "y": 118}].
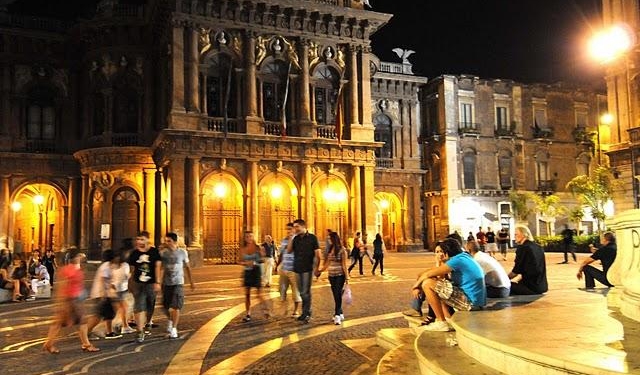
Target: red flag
[
  {"x": 283, "y": 123},
  {"x": 339, "y": 115}
]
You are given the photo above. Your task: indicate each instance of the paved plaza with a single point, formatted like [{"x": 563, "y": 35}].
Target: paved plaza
[{"x": 214, "y": 340}]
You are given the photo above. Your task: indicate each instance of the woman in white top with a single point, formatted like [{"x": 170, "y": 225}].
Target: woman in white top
[{"x": 120, "y": 279}]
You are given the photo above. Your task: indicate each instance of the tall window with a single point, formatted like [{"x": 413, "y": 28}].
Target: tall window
[
  {"x": 383, "y": 133},
  {"x": 502, "y": 119},
  {"x": 540, "y": 118},
  {"x": 581, "y": 119},
  {"x": 126, "y": 108},
  {"x": 469, "y": 170},
  {"x": 327, "y": 83},
  {"x": 505, "y": 170},
  {"x": 432, "y": 122},
  {"x": 274, "y": 82},
  {"x": 220, "y": 67},
  {"x": 466, "y": 115},
  {"x": 543, "y": 171},
  {"x": 41, "y": 114}
]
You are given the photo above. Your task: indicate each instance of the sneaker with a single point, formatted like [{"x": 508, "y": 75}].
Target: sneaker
[
  {"x": 342, "y": 317},
  {"x": 140, "y": 338},
  {"x": 169, "y": 326},
  {"x": 30, "y": 298},
  {"x": 174, "y": 333},
  {"x": 438, "y": 326},
  {"x": 95, "y": 336},
  {"x": 301, "y": 318},
  {"x": 246, "y": 318},
  {"x": 112, "y": 335},
  {"x": 128, "y": 330},
  {"x": 336, "y": 320},
  {"x": 413, "y": 313}
]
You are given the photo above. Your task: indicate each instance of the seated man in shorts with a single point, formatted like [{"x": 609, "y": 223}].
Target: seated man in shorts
[{"x": 464, "y": 291}]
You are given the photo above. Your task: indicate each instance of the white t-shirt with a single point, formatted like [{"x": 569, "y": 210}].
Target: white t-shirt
[
  {"x": 101, "y": 281},
  {"x": 494, "y": 274},
  {"x": 120, "y": 277}
]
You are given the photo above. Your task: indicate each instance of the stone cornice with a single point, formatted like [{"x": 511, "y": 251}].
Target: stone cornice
[
  {"x": 110, "y": 158},
  {"x": 242, "y": 146},
  {"x": 44, "y": 164}
]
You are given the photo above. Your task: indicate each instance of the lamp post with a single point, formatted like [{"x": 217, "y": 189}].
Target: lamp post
[{"x": 38, "y": 200}]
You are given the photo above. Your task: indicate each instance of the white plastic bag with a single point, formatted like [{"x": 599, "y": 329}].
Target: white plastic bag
[{"x": 347, "y": 297}]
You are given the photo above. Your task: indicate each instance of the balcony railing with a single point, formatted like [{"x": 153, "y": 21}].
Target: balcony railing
[
  {"x": 504, "y": 132},
  {"x": 326, "y": 131},
  {"x": 28, "y": 22},
  {"x": 272, "y": 128},
  {"x": 581, "y": 135},
  {"x": 43, "y": 146},
  {"x": 384, "y": 163},
  {"x": 468, "y": 128},
  {"x": 217, "y": 124},
  {"x": 634, "y": 136},
  {"x": 547, "y": 185},
  {"x": 542, "y": 131},
  {"x": 116, "y": 140}
]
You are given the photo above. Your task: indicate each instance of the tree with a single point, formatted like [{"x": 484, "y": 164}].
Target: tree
[
  {"x": 576, "y": 215},
  {"x": 520, "y": 204},
  {"x": 548, "y": 207},
  {"x": 594, "y": 191}
]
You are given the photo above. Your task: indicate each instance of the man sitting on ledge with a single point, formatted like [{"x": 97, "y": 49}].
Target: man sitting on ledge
[
  {"x": 465, "y": 290},
  {"x": 606, "y": 254},
  {"x": 530, "y": 268}
]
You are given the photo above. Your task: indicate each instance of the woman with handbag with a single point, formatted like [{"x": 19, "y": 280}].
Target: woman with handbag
[
  {"x": 336, "y": 262},
  {"x": 251, "y": 256},
  {"x": 103, "y": 293}
]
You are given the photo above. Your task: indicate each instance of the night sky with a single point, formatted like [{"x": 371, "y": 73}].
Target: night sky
[{"x": 524, "y": 40}]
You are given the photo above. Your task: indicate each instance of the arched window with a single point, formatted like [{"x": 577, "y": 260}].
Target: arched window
[
  {"x": 41, "y": 114},
  {"x": 327, "y": 83},
  {"x": 126, "y": 103},
  {"x": 274, "y": 80},
  {"x": 505, "y": 170},
  {"x": 220, "y": 75},
  {"x": 469, "y": 169},
  {"x": 383, "y": 133}
]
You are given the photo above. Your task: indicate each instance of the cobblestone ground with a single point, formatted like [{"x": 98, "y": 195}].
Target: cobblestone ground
[{"x": 279, "y": 345}]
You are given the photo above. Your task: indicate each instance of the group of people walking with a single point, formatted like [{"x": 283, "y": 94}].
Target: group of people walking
[
  {"x": 142, "y": 271},
  {"x": 360, "y": 250}
]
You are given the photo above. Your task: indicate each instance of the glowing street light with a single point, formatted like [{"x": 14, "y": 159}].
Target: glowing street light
[
  {"x": 16, "y": 206},
  {"x": 607, "y": 45},
  {"x": 38, "y": 199},
  {"x": 220, "y": 190}
]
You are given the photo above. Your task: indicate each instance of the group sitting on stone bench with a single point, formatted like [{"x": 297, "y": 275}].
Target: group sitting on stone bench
[
  {"x": 463, "y": 280},
  {"x": 24, "y": 280}
]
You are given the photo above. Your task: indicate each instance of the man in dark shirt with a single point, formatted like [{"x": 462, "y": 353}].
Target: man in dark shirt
[
  {"x": 530, "y": 265},
  {"x": 567, "y": 244},
  {"x": 144, "y": 282},
  {"x": 605, "y": 254},
  {"x": 305, "y": 248}
]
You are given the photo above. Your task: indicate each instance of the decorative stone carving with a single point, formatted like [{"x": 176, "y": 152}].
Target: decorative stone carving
[
  {"x": 263, "y": 168},
  {"x": 103, "y": 180},
  {"x": 279, "y": 166},
  {"x": 60, "y": 79},
  {"x": 204, "y": 40},
  {"x": 340, "y": 58},
  {"x": 22, "y": 76},
  {"x": 221, "y": 38},
  {"x": 236, "y": 43}
]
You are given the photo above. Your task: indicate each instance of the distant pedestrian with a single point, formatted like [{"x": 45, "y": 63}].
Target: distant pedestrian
[
  {"x": 336, "y": 263},
  {"x": 530, "y": 266},
  {"x": 481, "y": 239},
  {"x": 470, "y": 237},
  {"x": 49, "y": 261},
  {"x": 503, "y": 242},
  {"x": 491, "y": 246},
  {"x": 103, "y": 295},
  {"x": 287, "y": 275},
  {"x": 250, "y": 257},
  {"x": 307, "y": 255},
  {"x": 270, "y": 254},
  {"x": 144, "y": 282},
  {"x": 40, "y": 277},
  {"x": 568, "y": 244},
  {"x": 378, "y": 254},
  {"x": 69, "y": 310},
  {"x": 175, "y": 263},
  {"x": 606, "y": 254},
  {"x": 356, "y": 253}
]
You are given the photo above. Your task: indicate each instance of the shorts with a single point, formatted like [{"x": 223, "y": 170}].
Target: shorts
[
  {"x": 491, "y": 247},
  {"x": 144, "y": 297},
  {"x": 453, "y": 296},
  {"x": 172, "y": 297}
]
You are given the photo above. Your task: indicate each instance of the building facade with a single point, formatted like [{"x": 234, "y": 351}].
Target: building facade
[
  {"x": 200, "y": 117},
  {"x": 482, "y": 138}
]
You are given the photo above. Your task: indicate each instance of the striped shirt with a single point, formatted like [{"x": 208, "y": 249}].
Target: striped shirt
[
  {"x": 335, "y": 263},
  {"x": 287, "y": 258}
]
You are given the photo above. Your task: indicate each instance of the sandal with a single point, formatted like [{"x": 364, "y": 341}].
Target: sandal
[
  {"x": 247, "y": 318},
  {"x": 51, "y": 349},
  {"x": 90, "y": 348},
  {"x": 428, "y": 320}
]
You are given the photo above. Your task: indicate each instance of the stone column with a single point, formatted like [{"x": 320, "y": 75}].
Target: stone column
[
  {"x": 305, "y": 104},
  {"x": 356, "y": 205},
  {"x": 5, "y": 209},
  {"x": 203, "y": 94},
  {"x": 365, "y": 83},
  {"x": 177, "y": 69},
  {"x": 149, "y": 202},
  {"x": 84, "y": 213},
  {"x": 353, "y": 86},
  {"x": 72, "y": 214},
  {"x": 193, "y": 71},
  {"x": 6, "y": 103},
  {"x": 306, "y": 201},
  {"x": 251, "y": 99},
  {"x": 177, "y": 203},
  {"x": 157, "y": 217},
  {"x": 194, "y": 202},
  {"x": 253, "y": 197},
  {"x": 367, "y": 194}
]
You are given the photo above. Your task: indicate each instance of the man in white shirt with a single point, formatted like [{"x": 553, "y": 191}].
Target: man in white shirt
[
  {"x": 41, "y": 276},
  {"x": 496, "y": 279}
]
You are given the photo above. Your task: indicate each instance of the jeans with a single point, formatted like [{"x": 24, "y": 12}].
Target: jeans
[
  {"x": 493, "y": 292},
  {"x": 337, "y": 285},
  {"x": 358, "y": 259},
  {"x": 379, "y": 260},
  {"x": 591, "y": 273},
  {"x": 568, "y": 247},
  {"x": 304, "y": 286}
]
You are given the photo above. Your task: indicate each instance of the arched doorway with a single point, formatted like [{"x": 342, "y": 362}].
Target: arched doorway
[
  {"x": 38, "y": 219},
  {"x": 222, "y": 217},
  {"x": 330, "y": 202},
  {"x": 389, "y": 218},
  {"x": 278, "y": 202},
  {"x": 125, "y": 216}
]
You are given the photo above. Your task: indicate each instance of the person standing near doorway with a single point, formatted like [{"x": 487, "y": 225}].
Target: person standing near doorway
[
  {"x": 145, "y": 282},
  {"x": 307, "y": 255},
  {"x": 378, "y": 254},
  {"x": 356, "y": 254}
]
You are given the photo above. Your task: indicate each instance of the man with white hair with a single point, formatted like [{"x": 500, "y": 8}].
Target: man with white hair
[{"x": 529, "y": 274}]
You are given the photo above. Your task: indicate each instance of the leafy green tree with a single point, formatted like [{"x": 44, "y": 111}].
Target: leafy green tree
[
  {"x": 594, "y": 191},
  {"x": 576, "y": 215},
  {"x": 549, "y": 208},
  {"x": 520, "y": 204}
]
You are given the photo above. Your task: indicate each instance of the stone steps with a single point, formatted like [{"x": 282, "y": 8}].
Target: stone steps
[{"x": 400, "y": 358}]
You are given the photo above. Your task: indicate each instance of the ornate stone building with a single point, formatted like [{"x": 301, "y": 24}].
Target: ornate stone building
[
  {"x": 203, "y": 117},
  {"x": 482, "y": 138}
]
